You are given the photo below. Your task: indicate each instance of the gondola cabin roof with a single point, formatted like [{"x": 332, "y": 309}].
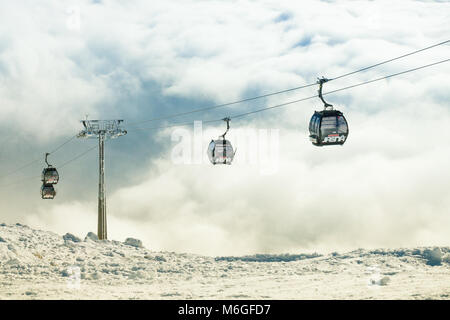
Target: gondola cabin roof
[{"x": 328, "y": 113}]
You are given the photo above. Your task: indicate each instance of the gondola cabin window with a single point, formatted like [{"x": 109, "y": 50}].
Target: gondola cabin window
[
  {"x": 342, "y": 125},
  {"x": 329, "y": 125}
]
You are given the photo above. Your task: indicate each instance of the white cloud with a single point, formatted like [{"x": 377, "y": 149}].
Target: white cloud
[{"x": 386, "y": 187}]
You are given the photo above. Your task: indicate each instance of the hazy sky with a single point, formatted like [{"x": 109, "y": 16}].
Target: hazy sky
[{"x": 388, "y": 186}]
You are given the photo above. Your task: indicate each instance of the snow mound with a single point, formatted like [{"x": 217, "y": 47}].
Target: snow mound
[
  {"x": 37, "y": 264},
  {"x": 133, "y": 242},
  {"x": 71, "y": 237},
  {"x": 91, "y": 236},
  {"x": 270, "y": 257},
  {"x": 433, "y": 257}
]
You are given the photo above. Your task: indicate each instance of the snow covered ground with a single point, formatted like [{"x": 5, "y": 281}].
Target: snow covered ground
[{"x": 42, "y": 265}]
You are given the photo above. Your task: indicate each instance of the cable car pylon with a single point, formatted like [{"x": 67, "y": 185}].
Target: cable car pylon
[{"x": 102, "y": 130}]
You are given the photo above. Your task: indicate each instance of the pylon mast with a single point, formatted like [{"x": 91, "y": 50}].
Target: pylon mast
[
  {"x": 102, "y": 129},
  {"x": 102, "y": 232}
]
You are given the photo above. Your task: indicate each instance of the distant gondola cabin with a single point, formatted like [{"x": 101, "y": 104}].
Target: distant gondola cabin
[
  {"x": 48, "y": 191},
  {"x": 220, "y": 151}
]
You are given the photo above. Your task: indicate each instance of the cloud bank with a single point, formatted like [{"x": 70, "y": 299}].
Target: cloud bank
[{"x": 388, "y": 186}]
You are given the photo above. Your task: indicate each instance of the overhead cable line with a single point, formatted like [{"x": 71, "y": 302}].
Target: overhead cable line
[
  {"x": 390, "y": 60},
  {"x": 300, "y": 100},
  {"x": 78, "y": 156},
  {"x": 36, "y": 160},
  {"x": 19, "y": 181},
  {"x": 62, "y": 165},
  {"x": 286, "y": 90},
  {"x": 20, "y": 168},
  {"x": 340, "y": 89},
  {"x": 254, "y": 98},
  {"x": 221, "y": 105},
  {"x": 63, "y": 144}
]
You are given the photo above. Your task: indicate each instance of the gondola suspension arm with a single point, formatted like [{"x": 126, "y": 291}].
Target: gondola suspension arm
[
  {"x": 321, "y": 81},
  {"x": 227, "y": 120},
  {"x": 46, "y": 155}
]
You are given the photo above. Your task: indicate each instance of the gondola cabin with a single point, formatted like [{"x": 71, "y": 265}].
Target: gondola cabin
[
  {"x": 220, "y": 151},
  {"x": 50, "y": 176},
  {"x": 328, "y": 127},
  {"x": 48, "y": 191}
]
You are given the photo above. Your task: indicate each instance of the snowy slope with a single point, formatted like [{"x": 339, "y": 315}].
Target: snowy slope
[{"x": 42, "y": 265}]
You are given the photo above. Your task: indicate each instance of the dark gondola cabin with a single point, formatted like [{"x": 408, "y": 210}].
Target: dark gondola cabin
[
  {"x": 50, "y": 175},
  {"x": 328, "y": 127},
  {"x": 220, "y": 152},
  {"x": 48, "y": 191}
]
